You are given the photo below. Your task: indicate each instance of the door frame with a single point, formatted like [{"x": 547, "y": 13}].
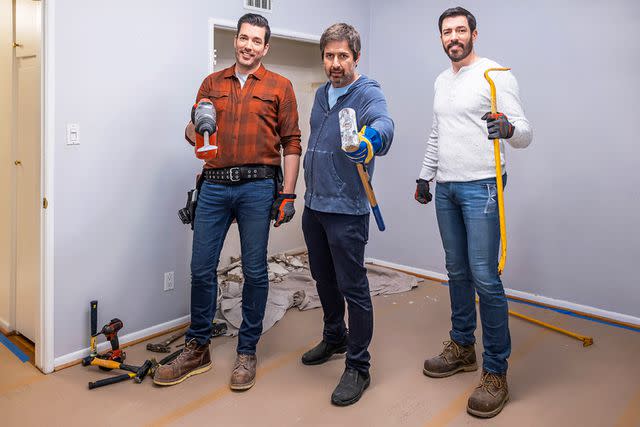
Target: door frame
[
  {"x": 226, "y": 24},
  {"x": 44, "y": 325}
]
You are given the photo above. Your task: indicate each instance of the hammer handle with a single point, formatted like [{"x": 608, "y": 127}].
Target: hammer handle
[
  {"x": 112, "y": 380},
  {"x": 364, "y": 177},
  {"x": 94, "y": 318}
]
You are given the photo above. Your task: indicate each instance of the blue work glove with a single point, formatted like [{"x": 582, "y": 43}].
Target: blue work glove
[
  {"x": 370, "y": 144},
  {"x": 498, "y": 126}
]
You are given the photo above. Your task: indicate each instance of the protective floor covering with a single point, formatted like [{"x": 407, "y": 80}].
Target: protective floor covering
[{"x": 553, "y": 380}]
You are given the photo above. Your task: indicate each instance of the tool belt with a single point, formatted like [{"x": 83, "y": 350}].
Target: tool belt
[{"x": 239, "y": 174}]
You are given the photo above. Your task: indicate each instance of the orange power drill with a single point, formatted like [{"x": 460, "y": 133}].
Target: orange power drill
[{"x": 110, "y": 332}]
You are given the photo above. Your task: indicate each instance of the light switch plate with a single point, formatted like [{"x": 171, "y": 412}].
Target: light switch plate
[{"x": 73, "y": 134}]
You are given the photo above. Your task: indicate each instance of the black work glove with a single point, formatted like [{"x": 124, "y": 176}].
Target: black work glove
[
  {"x": 283, "y": 209},
  {"x": 188, "y": 214},
  {"x": 498, "y": 126},
  {"x": 423, "y": 195}
]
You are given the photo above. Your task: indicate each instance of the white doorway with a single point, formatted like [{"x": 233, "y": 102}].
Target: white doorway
[
  {"x": 296, "y": 57},
  {"x": 23, "y": 218}
]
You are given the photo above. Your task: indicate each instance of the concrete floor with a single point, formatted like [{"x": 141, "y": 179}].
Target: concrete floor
[{"x": 553, "y": 380}]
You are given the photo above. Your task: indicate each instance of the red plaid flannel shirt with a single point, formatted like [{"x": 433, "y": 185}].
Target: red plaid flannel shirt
[{"x": 253, "y": 122}]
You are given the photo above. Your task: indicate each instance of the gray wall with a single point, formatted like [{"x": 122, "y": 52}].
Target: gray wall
[
  {"x": 127, "y": 72},
  {"x": 572, "y": 199}
]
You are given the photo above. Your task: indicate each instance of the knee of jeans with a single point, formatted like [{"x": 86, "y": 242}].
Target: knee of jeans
[
  {"x": 203, "y": 278},
  {"x": 256, "y": 274},
  {"x": 358, "y": 295},
  {"x": 457, "y": 271},
  {"x": 487, "y": 283}
]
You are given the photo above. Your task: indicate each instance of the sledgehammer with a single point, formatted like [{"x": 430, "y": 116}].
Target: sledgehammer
[{"x": 350, "y": 142}]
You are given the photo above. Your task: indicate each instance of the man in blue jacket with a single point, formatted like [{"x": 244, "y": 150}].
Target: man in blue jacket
[{"x": 335, "y": 221}]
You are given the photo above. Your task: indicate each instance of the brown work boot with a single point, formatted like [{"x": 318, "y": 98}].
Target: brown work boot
[
  {"x": 194, "y": 359},
  {"x": 454, "y": 358},
  {"x": 490, "y": 396},
  {"x": 243, "y": 376}
]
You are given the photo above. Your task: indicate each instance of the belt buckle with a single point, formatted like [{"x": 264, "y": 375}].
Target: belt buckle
[{"x": 234, "y": 174}]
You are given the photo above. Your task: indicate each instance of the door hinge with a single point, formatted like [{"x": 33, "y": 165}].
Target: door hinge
[{"x": 45, "y": 203}]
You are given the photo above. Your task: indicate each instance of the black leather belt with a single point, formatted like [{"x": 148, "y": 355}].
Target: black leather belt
[{"x": 239, "y": 173}]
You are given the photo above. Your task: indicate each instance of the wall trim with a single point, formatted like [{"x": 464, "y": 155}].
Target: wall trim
[
  {"x": 582, "y": 310},
  {"x": 5, "y": 327},
  {"x": 127, "y": 340},
  {"x": 44, "y": 352}
]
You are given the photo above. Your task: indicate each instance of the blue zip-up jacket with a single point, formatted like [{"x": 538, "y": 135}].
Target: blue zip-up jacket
[{"x": 333, "y": 183}]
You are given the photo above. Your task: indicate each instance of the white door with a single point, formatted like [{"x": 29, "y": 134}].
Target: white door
[
  {"x": 27, "y": 164},
  {"x": 300, "y": 62}
]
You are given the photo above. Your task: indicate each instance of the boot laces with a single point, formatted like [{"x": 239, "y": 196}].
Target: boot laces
[
  {"x": 243, "y": 361},
  {"x": 491, "y": 383},
  {"x": 451, "y": 347},
  {"x": 189, "y": 348}
]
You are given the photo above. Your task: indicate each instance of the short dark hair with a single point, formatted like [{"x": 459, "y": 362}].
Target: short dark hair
[
  {"x": 339, "y": 32},
  {"x": 257, "y": 21},
  {"x": 458, "y": 11}
]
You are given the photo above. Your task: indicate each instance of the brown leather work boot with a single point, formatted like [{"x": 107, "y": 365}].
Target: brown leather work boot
[
  {"x": 243, "y": 376},
  {"x": 454, "y": 358},
  {"x": 490, "y": 396},
  {"x": 194, "y": 359}
]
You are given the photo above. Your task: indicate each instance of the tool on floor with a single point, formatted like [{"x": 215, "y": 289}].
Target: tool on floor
[
  {"x": 110, "y": 332},
  {"x": 93, "y": 348},
  {"x": 143, "y": 371},
  {"x": 112, "y": 380},
  {"x": 496, "y": 155},
  {"x": 219, "y": 328},
  {"x": 137, "y": 373},
  {"x": 203, "y": 116},
  {"x": 112, "y": 364},
  {"x": 350, "y": 143},
  {"x": 586, "y": 341},
  {"x": 165, "y": 346}
]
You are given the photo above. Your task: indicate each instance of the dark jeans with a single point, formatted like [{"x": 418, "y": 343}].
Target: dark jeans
[
  {"x": 467, "y": 215},
  {"x": 336, "y": 256},
  {"x": 250, "y": 204}
]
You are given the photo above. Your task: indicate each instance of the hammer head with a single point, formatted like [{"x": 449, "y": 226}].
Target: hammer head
[
  {"x": 158, "y": 348},
  {"x": 143, "y": 371}
]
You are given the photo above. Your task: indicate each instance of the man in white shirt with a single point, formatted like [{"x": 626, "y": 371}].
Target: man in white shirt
[{"x": 460, "y": 157}]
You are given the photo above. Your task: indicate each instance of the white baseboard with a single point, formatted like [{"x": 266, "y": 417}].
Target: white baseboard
[
  {"x": 406, "y": 268},
  {"x": 556, "y": 303},
  {"x": 5, "y": 326},
  {"x": 133, "y": 336}
]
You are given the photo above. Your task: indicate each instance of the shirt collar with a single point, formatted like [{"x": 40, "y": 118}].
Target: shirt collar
[{"x": 258, "y": 74}]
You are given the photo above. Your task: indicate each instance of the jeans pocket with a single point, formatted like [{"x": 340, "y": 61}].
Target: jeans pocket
[{"x": 492, "y": 199}]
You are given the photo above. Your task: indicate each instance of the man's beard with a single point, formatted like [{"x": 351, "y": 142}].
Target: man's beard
[{"x": 466, "y": 50}]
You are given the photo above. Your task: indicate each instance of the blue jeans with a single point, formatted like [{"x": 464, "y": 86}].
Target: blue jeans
[
  {"x": 469, "y": 225},
  {"x": 250, "y": 204},
  {"x": 336, "y": 245}
]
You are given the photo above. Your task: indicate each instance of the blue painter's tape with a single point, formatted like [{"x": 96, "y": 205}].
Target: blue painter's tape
[
  {"x": 13, "y": 348},
  {"x": 569, "y": 313}
]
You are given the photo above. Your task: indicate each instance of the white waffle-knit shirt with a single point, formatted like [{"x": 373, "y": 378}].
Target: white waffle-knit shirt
[{"x": 457, "y": 148}]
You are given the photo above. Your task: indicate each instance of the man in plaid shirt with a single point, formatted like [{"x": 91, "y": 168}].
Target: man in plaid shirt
[{"x": 257, "y": 118}]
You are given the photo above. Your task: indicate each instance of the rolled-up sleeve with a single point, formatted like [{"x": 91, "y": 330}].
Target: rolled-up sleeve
[{"x": 288, "y": 129}]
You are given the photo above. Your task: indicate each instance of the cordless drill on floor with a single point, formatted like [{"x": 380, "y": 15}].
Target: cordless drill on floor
[{"x": 110, "y": 332}]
